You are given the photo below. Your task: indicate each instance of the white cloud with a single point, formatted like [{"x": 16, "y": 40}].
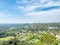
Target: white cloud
[
  {"x": 37, "y": 16},
  {"x": 45, "y": 16},
  {"x": 44, "y": 13},
  {"x": 39, "y": 3},
  {"x": 4, "y": 14},
  {"x": 27, "y": 9}
]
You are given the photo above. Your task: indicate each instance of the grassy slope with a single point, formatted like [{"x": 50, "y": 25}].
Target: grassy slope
[{"x": 5, "y": 39}]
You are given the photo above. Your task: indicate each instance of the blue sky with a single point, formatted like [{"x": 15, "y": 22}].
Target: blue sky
[{"x": 29, "y": 11}]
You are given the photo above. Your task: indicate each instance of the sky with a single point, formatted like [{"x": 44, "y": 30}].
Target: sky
[{"x": 29, "y": 11}]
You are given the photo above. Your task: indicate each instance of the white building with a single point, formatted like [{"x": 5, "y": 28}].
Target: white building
[
  {"x": 58, "y": 37},
  {"x": 52, "y": 27}
]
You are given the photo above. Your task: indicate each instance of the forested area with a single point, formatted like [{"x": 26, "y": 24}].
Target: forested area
[{"x": 30, "y": 34}]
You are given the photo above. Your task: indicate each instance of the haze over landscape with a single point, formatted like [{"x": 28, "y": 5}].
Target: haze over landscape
[
  {"x": 29, "y": 11},
  {"x": 29, "y": 22}
]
